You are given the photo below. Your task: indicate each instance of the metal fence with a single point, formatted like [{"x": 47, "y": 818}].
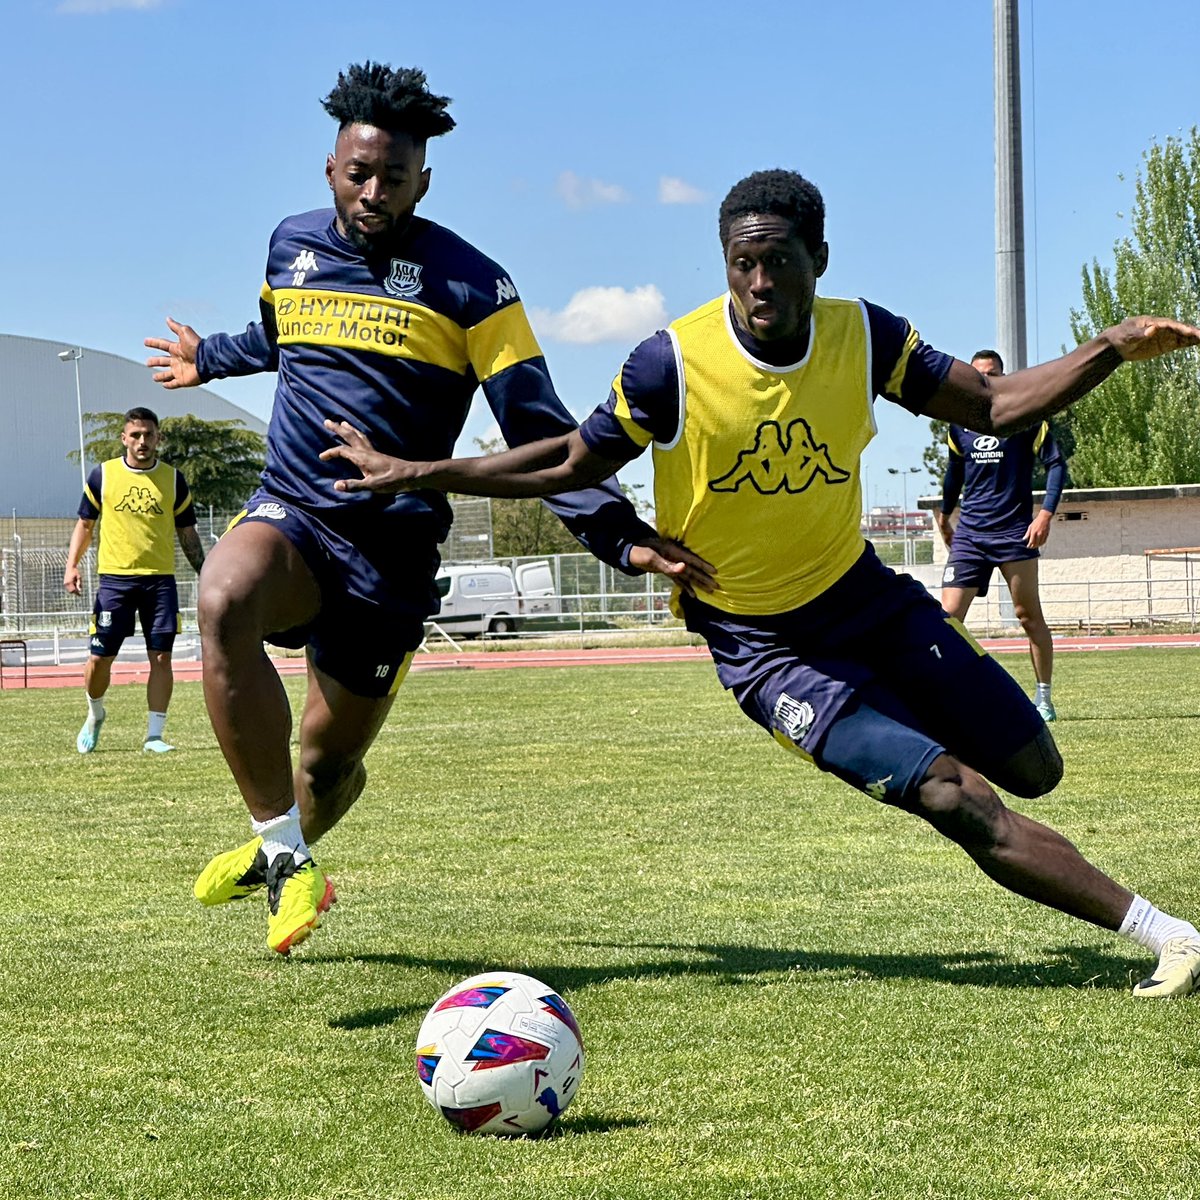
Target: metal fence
[{"x": 1161, "y": 591}]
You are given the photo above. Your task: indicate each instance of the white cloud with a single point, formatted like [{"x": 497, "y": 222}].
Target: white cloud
[
  {"x": 604, "y": 314},
  {"x": 585, "y": 193},
  {"x": 105, "y": 6},
  {"x": 678, "y": 191}
]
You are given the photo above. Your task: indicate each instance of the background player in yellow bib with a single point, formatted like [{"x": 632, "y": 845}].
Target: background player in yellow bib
[
  {"x": 142, "y": 505},
  {"x": 758, "y": 406}
]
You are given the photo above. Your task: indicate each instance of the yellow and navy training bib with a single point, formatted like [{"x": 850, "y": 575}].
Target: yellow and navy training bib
[
  {"x": 762, "y": 478},
  {"x": 139, "y": 512}
]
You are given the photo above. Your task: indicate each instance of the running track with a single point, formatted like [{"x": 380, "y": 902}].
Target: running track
[{"x": 133, "y": 672}]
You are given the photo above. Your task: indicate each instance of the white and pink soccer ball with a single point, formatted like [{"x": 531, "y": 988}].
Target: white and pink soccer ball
[{"x": 500, "y": 1053}]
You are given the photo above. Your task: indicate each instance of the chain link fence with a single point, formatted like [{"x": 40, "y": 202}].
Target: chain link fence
[{"x": 1158, "y": 592}]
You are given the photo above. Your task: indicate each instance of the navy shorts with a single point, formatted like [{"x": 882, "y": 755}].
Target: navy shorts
[
  {"x": 871, "y": 681},
  {"x": 973, "y": 557},
  {"x": 357, "y": 638},
  {"x": 151, "y": 599}
]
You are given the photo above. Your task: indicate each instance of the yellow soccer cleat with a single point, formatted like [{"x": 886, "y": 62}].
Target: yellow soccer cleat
[
  {"x": 297, "y": 894},
  {"x": 233, "y": 875}
]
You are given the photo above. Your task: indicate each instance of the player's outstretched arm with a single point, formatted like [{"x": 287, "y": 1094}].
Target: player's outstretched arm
[
  {"x": 175, "y": 367},
  {"x": 1005, "y": 404},
  {"x": 545, "y": 468}
]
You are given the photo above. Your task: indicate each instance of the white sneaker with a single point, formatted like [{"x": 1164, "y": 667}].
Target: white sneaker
[
  {"x": 1178, "y": 970},
  {"x": 156, "y": 746},
  {"x": 1046, "y": 709}
]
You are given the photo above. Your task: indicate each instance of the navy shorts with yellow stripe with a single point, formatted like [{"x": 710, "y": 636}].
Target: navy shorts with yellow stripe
[
  {"x": 362, "y": 637},
  {"x": 152, "y": 600},
  {"x": 871, "y": 681}
]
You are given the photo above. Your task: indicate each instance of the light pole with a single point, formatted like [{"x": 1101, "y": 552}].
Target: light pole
[
  {"x": 904, "y": 511},
  {"x": 74, "y": 356}
]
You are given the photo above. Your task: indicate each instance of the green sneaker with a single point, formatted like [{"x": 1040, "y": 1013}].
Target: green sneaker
[
  {"x": 1177, "y": 973},
  {"x": 233, "y": 875},
  {"x": 1046, "y": 709},
  {"x": 297, "y": 894},
  {"x": 89, "y": 735}
]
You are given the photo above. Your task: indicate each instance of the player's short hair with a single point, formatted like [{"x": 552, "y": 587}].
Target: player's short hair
[
  {"x": 396, "y": 100},
  {"x": 141, "y": 414},
  {"x": 994, "y": 355},
  {"x": 782, "y": 193}
]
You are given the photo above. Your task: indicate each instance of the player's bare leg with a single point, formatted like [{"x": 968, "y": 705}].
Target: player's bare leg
[
  {"x": 956, "y": 601},
  {"x": 336, "y": 731},
  {"x": 1022, "y": 579},
  {"x": 1034, "y": 861},
  {"x": 254, "y": 582},
  {"x": 1020, "y": 854},
  {"x": 97, "y": 675},
  {"x": 159, "y": 687}
]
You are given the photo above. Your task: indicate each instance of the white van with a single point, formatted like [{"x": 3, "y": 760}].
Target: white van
[{"x": 490, "y": 598}]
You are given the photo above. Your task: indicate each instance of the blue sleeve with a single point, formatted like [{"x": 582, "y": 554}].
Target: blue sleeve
[
  {"x": 89, "y": 505},
  {"x": 1055, "y": 462},
  {"x": 222, "y": 355},
  {"x": 643, "y": 405},
  {"x": 956, "y": 470},
  {"x": 527, "y": 409},
  {"x": 185, "y": 510},
  {"x": 904, "y": 369}
]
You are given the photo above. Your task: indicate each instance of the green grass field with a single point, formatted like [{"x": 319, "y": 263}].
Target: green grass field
[{"x": 785, "y": 990}]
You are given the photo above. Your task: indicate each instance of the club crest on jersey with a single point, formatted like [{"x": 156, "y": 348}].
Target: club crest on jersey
[
  {"x": 104, "y": 620},
  {"x": 404, "y": 280},
  {"x": 793, "y": 717},
  {"x": 781, "y": 460}
]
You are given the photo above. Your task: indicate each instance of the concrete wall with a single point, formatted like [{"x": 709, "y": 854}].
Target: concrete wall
[{"x": 1095, "y": 570}]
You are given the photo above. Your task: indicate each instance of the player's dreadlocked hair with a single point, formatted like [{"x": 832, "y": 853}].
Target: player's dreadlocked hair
[
  {"x": 398, "y": 101},
  {"x": 782, "y": 193}
]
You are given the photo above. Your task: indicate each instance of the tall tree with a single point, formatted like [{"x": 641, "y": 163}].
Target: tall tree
[
  {"x": 1142, "y": 425},
  {"x": 221, "y": 460}
]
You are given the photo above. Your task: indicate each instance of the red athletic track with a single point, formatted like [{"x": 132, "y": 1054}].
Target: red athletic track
[{"x": 134, "y": 672}]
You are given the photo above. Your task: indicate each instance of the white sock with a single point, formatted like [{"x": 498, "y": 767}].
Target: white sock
[
  {"x": 155, "y": 725},
  {"x": 1042, "y": 694},
  {"x": 95, "y": 709},
  {"x": 281, "y": 835},
  {"x": 1148, "y": 927}
]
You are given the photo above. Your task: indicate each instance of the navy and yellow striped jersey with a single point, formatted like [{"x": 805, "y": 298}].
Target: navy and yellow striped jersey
[
  {"x": 994, "y": 476},
  {"x": 139, "y": 510},
  {"x": 397, "y": 346},
  {"x": 756, "y": 464}
]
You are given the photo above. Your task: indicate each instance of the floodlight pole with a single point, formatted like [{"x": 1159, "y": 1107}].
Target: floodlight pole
[
  {"x": 1010, "y": 188},
  {"x": 904, "y": 511},
  {"x": 74, "y": 356}
]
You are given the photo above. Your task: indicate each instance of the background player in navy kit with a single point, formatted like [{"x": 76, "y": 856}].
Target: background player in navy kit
[
  {"x": 994, "y": 529},
  {"x": 142, "y": 505},
  {"x": 758, "y": 405},
  {"x": 372, "y": 314}
]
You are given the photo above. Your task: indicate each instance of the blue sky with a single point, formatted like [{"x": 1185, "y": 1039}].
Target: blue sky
[{"x": 154, "y": 144}]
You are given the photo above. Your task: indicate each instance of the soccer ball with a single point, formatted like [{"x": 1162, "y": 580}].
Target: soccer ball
[{"x": 500, "y": 1053}]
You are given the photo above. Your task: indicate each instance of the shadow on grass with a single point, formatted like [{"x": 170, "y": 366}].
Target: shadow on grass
[{"x": 1075, "y": 967}]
